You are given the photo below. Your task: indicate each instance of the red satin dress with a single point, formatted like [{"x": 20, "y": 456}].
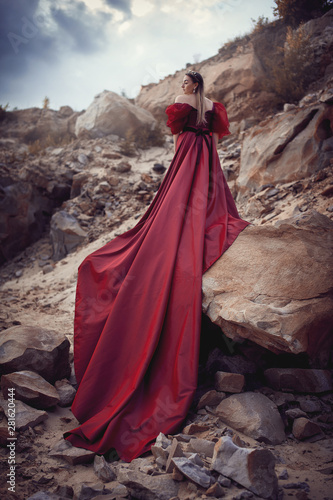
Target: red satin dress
[{"x": 138, "y": 300}]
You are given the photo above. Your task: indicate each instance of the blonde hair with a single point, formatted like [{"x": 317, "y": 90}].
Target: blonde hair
[{"x": 197, "y": 78}]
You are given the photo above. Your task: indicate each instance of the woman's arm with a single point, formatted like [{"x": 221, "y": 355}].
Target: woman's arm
[
  {"x": 175, "y": 138},
  {"x": 216, "y": 138}
]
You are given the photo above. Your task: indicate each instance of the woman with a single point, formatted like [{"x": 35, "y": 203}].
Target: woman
[{"x": 138, "y": 299}]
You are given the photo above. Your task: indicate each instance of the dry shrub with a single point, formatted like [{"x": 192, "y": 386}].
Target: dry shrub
[
  {"x": 289, "y": 72},
  {"x": 38, "y": 146}
]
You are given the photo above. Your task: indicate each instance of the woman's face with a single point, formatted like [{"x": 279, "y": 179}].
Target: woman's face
[{"x": 188, "y": 85}]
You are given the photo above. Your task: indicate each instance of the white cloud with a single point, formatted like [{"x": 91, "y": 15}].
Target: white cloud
[{"x": 112, "y": 48}]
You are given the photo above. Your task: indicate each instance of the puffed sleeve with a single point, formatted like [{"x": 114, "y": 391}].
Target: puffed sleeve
[
  {"x": 220, "y": 122},
  {"x": 177, "y": 116}
]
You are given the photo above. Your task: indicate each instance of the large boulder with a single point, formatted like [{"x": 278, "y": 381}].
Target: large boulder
[
  {"x": 110, "y": 113},
  {"x": 35, "y": 349},
  {"x": 274, "y": 286},
  {"x": 253, "y": 414},
  {"x": 288, "y": 147}
]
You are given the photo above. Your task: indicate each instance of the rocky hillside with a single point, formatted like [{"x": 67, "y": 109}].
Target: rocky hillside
[{"x": 261, "y": 422}]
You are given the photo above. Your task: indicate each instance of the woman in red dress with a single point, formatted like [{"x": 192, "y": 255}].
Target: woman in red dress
[{"x": 138, "y": 300}]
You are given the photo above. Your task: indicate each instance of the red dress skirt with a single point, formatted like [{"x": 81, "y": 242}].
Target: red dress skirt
[{"x": 138, "y": 300}]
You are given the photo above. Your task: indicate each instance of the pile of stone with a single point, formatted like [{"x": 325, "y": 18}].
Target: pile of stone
[{"x": 226, "y": 449}]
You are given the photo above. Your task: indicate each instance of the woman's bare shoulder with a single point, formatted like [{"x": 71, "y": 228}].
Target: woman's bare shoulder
[
  {"x": 208, "y": 104},
  {"x": 184, "y": 99}
]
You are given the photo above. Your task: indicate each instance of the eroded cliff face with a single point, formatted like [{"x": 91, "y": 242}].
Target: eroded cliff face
[{"x": 235, "y": 76}]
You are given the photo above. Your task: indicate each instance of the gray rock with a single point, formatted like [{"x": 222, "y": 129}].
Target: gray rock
[
  {"x": 193, "y": 472},
  {"x": 66, "y": 392},
  {"x": 30, "y": 388},
  {"x": 202, "y": 446},
  {"x": 251, "y": 468},
  {"x": 103, "y": 470},
  {"x": 25, "y": 416},
  {"x": 161, "y": 447},
  {"x": 253, "y": 414},
  {"x": 66, "y": 234},
  {"x": 310, "y": 406},
  {"x": 144, "y": 487},
  {"x": 35, "y": 349},
  {"x": 175, "y": 451},
  {"x": 299, "y": 379},
  {"x": 45, "y": 495},
  {"x": 65, "y": 450}
]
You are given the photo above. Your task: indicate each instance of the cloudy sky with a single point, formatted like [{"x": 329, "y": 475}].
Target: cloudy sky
[{"x": 70, "y": 50}]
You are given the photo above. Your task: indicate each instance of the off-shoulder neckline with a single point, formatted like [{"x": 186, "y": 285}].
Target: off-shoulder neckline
[{"x": 187, "y": 104}]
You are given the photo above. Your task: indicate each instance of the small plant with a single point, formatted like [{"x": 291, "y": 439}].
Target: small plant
[
  {"x": 259, "y": 24},
  {"x": 46, "y": 103}
]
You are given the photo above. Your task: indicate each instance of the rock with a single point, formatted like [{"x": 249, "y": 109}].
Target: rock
[
  {"x": 210, "y": 398},
  {"x": 193, "y": 472},
  {"x": 229, "y": 382},
  {"x": 285, "y": 148},
  {"x": 251, "y": 468},
  {"x": 103, "y": 470},
  {"x": 79, "y": 180},
  {"x": 161, "y": 447},
  {"x": 30, "y": 388},
  {"x": 175, "y": 451},
  {"x": 144, "y": 487},
  {"x": 48, "y": 268},
  {"x": 110, "y": 113},
  {"x": 295, "y": 413},
  {"x": 25, "y": 416},
  {"x": 158, "y": 168},
  {"x": 304, "y": 428},
  {"x": 224, "y": 481},
  {"x": 123, "y": 167},
  {"x": 88, "y": 492},
  {"x": 35, "y": 349},
  {"x": 282, "y": 301},
  {"x": 253, "y": 414},
  {"x": 215, "y": 490},
  {"x": 202, "y": 446},
  {"x": 327, "y": 96},
  {"x": 22, "y": 214},
  {"x": 66, "y": 392},
  {"x": 45, "y": 495},
  {"x": 284, "y": 475},
  {"x": 65, "y": 450},
  {"x": 299, "y": 379},
  {"x": 64, "y": 491},
  {"x": 310, "y": 406},
  {"x": 195, "y": 428},
  {"x": 66, "y": 234}
]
